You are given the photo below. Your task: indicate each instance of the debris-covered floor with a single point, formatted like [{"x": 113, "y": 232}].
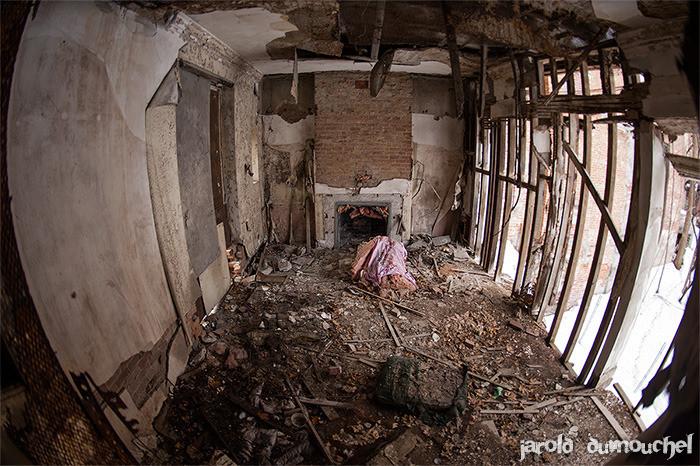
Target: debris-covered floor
[{"x": 314, "y": 333}]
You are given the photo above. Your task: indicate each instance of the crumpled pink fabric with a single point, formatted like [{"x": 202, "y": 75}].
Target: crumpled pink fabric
[{"x": 388, "y": 257}]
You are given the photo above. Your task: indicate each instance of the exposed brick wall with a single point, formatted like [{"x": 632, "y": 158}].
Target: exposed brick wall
[
  {"x": 357, "y": 134},
  {"x": 143, "y": 372}
]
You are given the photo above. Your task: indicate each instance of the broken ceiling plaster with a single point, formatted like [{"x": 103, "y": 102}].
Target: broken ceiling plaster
[{"x": 247, "y": 31}]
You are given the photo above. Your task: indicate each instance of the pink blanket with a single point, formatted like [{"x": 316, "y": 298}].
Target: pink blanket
[{"x": 384, "y": 263}]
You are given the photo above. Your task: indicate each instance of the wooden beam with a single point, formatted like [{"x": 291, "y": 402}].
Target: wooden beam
[
  {"x": 454, "y": 58},
  {"x": 622, "y": 294},
  {"x": 512, "y": 135},
  {"x": 610, "y": 418},
  {"x": 607, "y": 80},
  {"x": 310, "y": 424},
  {"x": 389, "y": 326},
  {"x": 580, "y": 218},
  {"x": 553, "y": 214},
  {"x": 529, "y": 207},
  {"x": 565, "y": 222},
  {"x": 630, "y": 407},
  {"x": 378, "y": 26},
  {"x": 479, "y": 154},
  {"x": 491, "y": 196},
  {"x": 605, "y": 213},
  {"x": 497, "y": 199},
  {"x": 401, "y": 306},
  {"x": 484, "y": 192},
  {"x": 688, "y": 167},
  {"x": 538, "y": 214},
  {"x": 570, "y": 72},
  {"x": 593, "y": 104}
]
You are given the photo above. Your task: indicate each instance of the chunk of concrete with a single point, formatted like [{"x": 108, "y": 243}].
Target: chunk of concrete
[
  {"x": 397, "y": 451},
  {"x": 441, "y": 240}
]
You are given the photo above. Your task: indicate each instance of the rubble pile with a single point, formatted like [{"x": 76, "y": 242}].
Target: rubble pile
[{"x": 289, "y": 370}]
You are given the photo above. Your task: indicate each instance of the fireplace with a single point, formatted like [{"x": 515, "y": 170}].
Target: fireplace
[{"x": 359, "y": 221}]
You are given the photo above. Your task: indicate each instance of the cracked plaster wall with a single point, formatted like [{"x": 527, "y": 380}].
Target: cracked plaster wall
[{"x": 78, "y": 178}]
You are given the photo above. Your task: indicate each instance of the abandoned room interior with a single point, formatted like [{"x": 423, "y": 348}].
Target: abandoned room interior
[{"x": 350, "y": 232}]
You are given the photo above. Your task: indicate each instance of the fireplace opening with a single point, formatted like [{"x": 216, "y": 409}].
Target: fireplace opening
[{"x": 356, "y": 223}]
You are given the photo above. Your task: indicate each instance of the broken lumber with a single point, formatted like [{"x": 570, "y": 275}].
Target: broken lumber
[
  {"x": 543, "y": 404},
  {"x": 569, "y": 389},
  {"x": 611, "y": 419},
  {"x": 518, "y": 325},
  {"x": 316, "y": 392},
  {"x": 401, "y": 306},
  {"x": 480, "y": 377},
  {"x": 630, "y": 406},
  {"x": 389, "y": 326},
  {"x": 509, "y": 411},
  {"x": 310, "y": 424},
  {"x": 426, "y": 355},
  {"x": 566, "y": 402},
  {"x": 382, "y": 340},
  {"x": 324, "y": 402}
]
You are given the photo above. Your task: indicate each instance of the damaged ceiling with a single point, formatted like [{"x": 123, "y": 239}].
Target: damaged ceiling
[{"x": 338, "y": 35}]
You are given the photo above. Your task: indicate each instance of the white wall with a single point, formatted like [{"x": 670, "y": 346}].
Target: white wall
[{"x": 79, "y": 184}]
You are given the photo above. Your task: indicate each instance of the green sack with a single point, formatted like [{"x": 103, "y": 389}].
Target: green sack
[{"x": 399, "y": 384}]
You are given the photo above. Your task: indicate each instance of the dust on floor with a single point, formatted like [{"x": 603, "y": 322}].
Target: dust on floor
[{"x": 317, "y": 335}]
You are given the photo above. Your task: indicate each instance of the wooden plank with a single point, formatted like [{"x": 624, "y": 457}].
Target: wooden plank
[
  {"x": 380, "y": 6},
  {"x": 621, "y": 298},
  {"x": 496, "y": 225},
  {"x": 318, "y": 391},
  {"x": 512, "y": 135},
  {"x": 325, "y": 402},
  {"x": 543, "y": 404},
  {"x": 491, "y": 198},
  {"x": 563, "y": 302},
  {"x": 630, "y": 406},
  {"x": 610, "y": 418},
  {"x": 566, "y": 402},
  {"x": 400, "y": 306},
  {"x": 527, "y": 221},
  {"x": 565, "y": 390},
  {"x": 500, "y": 384},
  {"x": 688, "y": 167},
  {"x": 432, "y": 358},
  {"x": 564, "y": 223},
  {"x": 607, "y": 79},
  {"x": 605, "y": 212},
  {"x": 509, "y": 411},
  {"x": 484, "y": 193},
  {"x": 389, "y": 326},
  {"x": 538, "y": 218},
  {"x": 553, "y": 214},
  {"x": 453, "y": 51},
  {"x": 310, "y": 424},
  {"x": 567, "y": 214},
  {"x": 478, "y": 156},
  {"x": 570, "y": 72}
]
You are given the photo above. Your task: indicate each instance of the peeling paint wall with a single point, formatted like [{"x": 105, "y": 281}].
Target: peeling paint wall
[
  {"x": 284, "y": 168},
  {"x": 79, "y": 182},
  {"x": 437, "y": 155},
  {"x": 242, "y": 138},
  {"x": 81, "y": 189}
]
